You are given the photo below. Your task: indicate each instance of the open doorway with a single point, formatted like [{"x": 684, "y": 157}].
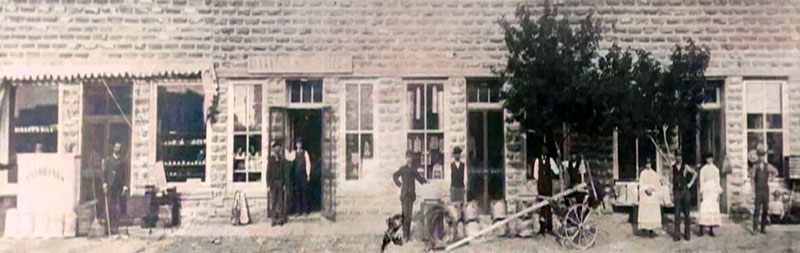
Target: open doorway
[
  {"x": 485, "y": 156},
  {"x": 307, "y": 124},
  {"x": 106, "y": 114}
]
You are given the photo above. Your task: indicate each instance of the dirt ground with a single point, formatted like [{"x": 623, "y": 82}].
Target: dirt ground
[{"x": 616, "y": 236}]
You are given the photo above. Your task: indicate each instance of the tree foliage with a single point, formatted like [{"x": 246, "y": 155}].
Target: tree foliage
[{"x": 561, "y": 85}]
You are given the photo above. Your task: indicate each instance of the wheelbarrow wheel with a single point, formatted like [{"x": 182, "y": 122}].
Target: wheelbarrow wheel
[{"x": 583, "y": 222}]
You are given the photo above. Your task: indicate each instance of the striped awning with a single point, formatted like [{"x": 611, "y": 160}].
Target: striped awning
[{"x": 45, "y": 71}]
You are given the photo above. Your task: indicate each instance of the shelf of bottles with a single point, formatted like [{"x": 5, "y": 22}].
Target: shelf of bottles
[
  {"x": 46, "y": 129},
  {"x": 183, "y": 155}
]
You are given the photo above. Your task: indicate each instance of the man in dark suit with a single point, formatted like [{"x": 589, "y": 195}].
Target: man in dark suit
[
  {"x": 407, "y": 191},
  {"x": 760, "y": 174},
  {"x": 115, "y": 184},
  {"x": 457, "y": 177},
  {"x": 276, "y": 173},
  {"x": 544, "y": 184}
]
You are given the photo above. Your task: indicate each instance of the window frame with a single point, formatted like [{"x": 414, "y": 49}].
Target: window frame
[
  {"x": 232, "y": 133},
  {"x": 765, "y": 130},
  {"x": 359, "y": 132},
  {"x": 186, "y": 83},
  {"x": 425, "y": 131},
  {"x": 12, "y": 121}
]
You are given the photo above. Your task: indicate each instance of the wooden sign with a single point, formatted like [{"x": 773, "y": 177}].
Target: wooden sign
[{"x": 321, "y": 63}]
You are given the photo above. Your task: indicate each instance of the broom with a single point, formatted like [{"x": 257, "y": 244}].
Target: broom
[{"x": 95, "y": 229}]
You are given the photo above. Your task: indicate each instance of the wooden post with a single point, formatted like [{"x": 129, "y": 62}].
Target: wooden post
[{"x": 516, "y": 215}]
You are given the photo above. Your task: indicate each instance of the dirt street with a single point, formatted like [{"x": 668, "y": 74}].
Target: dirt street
[{"x": 615, "y": 236}]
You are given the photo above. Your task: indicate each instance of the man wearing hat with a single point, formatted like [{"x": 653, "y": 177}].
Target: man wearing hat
[
  {"x": 760, "y": 173},
  {"x": 276, "y": 175},
  {"x": 408, "y": 193},
  {"x": 457, "y": 191}
]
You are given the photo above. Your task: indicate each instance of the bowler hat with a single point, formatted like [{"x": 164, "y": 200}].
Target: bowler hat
[{"x": 457, "y": 150}]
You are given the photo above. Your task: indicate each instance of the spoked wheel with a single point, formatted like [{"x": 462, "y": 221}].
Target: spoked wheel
[{"x": 581, "y": 226}]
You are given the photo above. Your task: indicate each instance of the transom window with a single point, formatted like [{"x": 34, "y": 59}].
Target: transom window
[
  {"x": 358, "y": 123},
  {"x": 304, "y": 91},
  {"x": 425, "y": 103},
  {"x": 483, "y": 91},
  {"x": 765, "y": 126},
  {"x": 247, "y": 131}
]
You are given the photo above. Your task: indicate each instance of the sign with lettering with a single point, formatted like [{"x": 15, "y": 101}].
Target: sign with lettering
[
  {"x": 319, "y": 63},
  {"x": 47, "y": 195}
]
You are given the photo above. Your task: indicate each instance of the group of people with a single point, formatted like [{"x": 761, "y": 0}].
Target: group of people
[
  {"x": 288, "y": 174},
  {"x": 683, "y": 178},
  {"x": 545, "y": 170}
]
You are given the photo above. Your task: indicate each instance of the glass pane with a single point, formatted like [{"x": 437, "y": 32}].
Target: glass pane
[
  {"x": 240, "y": 108},
  {"x": 416, "y": 146},
  {"x": 774, "y": 121},
  {"x": 351, "y": 107},
  {"x": 239, "y": 177},
  {"x": 484, "y": 93},
  {"x": 414, "y": 100},
  {"x": 366, "y": 107},
  {"x": 123, "y": 95},
  {"x": 772, "y": 97},
  {"x": 254, "y": 113},
  {"x": 294, "y": 91},
  {"x": 472, "y": 93},
  {"x": 435, "y": 156},
  {"x": 353, "y": 157},
  {"x": 94, "y": 98},
  {"x": 254, "y": 145},
  {"x": 239, "y": 147},
  {"x": 366, "y": 146},
  {"x": 755, "y": 121},
  {"x": 710, "y": 95},
  {"x": 755, "y": 97},
  {"x": 305, "y": 93},
  {"x": 755, "y": 142},
  {"x": 495, "y": 96},
  {"x": 254, "y": 177},
  {"x": 775, "y": 150},
  {"x": 434, "y": 104},
  {"x": 317, "y": 88}
]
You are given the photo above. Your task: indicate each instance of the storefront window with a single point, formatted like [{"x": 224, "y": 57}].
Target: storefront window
[
  {"x": 181, "y": 132},
  {"x": 358, "y": 128},
  {"x": 425, "y": 138},
  {"x": 765, "y": 122},
  {"x": 247, "y": 113},
  {"x": 35, "y": 119},
  {"x": 304, "y": 91}
]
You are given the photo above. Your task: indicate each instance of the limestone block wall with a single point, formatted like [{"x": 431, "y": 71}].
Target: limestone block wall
[
  {"x": 143, "y": 137},
  {"x": 70, "y": 117},
  {"x": 739, "y": 189}
]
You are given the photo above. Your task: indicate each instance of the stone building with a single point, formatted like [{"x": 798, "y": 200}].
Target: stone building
[{"x": 200, "y": 88}]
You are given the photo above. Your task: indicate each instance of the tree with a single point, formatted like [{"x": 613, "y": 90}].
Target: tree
[
  {"x": 550, "y": 67},
  {"x": 560, "y": 85}
]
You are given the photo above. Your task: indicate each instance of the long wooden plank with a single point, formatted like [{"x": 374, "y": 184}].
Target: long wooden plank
[{"x": 515, "y": 216}]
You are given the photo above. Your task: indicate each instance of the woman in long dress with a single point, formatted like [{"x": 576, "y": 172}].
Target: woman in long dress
[
  {"x": 710, "y": 190},
  {"x": 649, "y": 217}
]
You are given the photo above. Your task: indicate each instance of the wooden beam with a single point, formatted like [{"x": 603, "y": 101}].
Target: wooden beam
[{"x": 515, "y": 216}]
